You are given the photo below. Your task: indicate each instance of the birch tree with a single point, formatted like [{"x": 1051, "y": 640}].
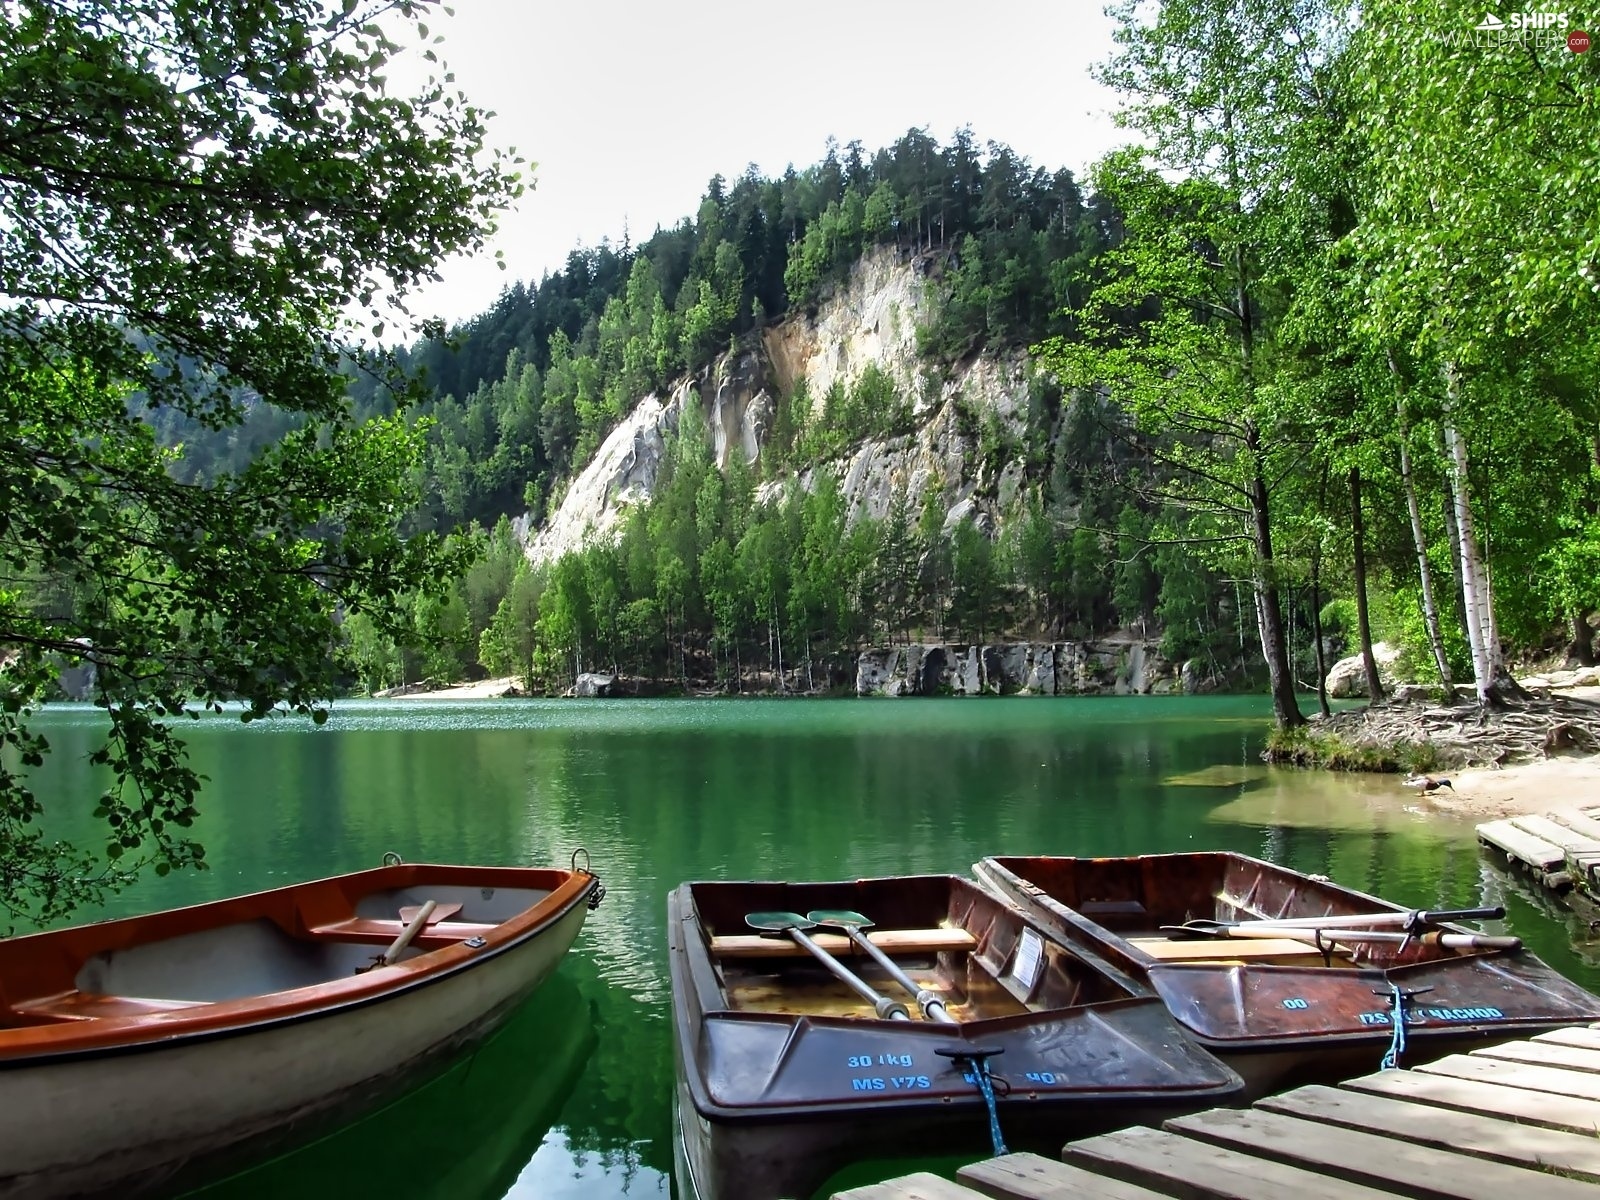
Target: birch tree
[{"x": 1481, "y": 234}]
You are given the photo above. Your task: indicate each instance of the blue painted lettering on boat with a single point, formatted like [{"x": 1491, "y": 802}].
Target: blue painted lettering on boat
[
  {"x": 1296, "y": 1002},
  {"x": 895, "y": 1060},
  {"x": 867, "y": 1085},
  {"x": 1420, "y": 1016}
]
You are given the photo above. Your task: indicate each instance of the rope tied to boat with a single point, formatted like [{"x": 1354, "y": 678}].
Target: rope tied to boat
[
  {"x": 978, "y": 1057},
  {"x": 1399, "y": 996}
]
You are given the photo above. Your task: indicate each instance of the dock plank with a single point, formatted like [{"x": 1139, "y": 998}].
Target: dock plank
[
  {"x": 921, "y": 1186},
  {"x": 1582, "y": 1038},
  {"x": 1491, "y": 1099},
  {"x": 1544, "y": 1054},
  {"x": 1398, "y": 1167},
  {"x": 1578, "y": 823},
  {"x": 1557, "y": 834},
  {"x": 1191, "y": 1170},
  {"x": 1034, "y": 1177},
  {"x": 1518, "y": 1075},
  {"x": 1463, "y": 1133},
  {"x": 1505, "y": 836}
]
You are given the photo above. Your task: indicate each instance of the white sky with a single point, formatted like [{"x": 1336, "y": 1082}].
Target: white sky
[{"x": 628, "y": 109}]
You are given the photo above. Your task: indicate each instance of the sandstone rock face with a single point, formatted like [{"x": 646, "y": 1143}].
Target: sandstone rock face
[
  {"x": 1029, "y": 668},
  {"x": 871, "y": 320},
  {"x": 1347, "y": 677},
  {"x": 622, "y": 472}
]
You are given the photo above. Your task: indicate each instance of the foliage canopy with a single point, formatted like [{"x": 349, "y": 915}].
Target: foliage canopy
[{"x": 196, "y": 195}]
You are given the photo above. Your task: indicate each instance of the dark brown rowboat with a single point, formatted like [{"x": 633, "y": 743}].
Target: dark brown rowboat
[
  {"x": 785, "y": 1074},
  {"x": 1280, "y": 1010}
]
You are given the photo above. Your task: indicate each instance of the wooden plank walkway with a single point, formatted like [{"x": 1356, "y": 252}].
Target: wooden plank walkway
[
  {"x": 1515, "y": 1120},
  {"x": 1558, "y": 849}
]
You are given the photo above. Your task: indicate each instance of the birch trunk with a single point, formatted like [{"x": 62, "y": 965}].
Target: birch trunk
[{"x": 1490, "y": 677}]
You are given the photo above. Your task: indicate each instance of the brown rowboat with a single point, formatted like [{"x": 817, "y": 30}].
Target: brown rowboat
[
  {"x": 786, "y": 1072},
  {"x": 1302, "y": 1000}
]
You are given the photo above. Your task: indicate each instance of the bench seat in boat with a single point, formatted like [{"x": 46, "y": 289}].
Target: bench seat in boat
[
  {"x": 890, "y": 941},
  {"x": 379, "y": 932},
  {"x": 1224, "y": 949}
]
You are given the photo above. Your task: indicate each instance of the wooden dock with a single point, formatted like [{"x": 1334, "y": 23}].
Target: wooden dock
[
  {"x": 1512, "y": 1121},
  {"x": 1559, "y": 850}
]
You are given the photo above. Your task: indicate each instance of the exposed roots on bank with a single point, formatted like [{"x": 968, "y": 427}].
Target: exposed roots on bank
[{"x": 1401, "y": 736}]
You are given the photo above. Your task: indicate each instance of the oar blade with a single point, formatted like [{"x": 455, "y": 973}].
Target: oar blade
[
  {"x": 838, "y": 918},
  {"x": 777, "y": 922},
  {"x": 1195, "y": 929}
]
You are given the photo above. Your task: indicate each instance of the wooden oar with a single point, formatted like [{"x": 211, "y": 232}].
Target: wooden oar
[
  {"x": 795, "y": 926},
  {"x": 1406, "y": 918},
  {"x": 851, "y": 924},
  {"x": 413, "y": 927},
  {"x": 1325, "y": 935}
]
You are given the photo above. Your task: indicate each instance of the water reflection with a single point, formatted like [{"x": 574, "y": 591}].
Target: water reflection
[{"x": 466, "y": 1134}]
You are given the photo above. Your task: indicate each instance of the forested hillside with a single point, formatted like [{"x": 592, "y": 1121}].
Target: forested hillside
[{"x": 1299, "y": 368}]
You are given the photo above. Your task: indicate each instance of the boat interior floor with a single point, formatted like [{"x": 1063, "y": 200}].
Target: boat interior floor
[{"x": 803, "y": 990}]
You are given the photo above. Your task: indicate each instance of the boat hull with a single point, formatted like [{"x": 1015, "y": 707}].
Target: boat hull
[
  {"x": 159, "y": 1115},
  {"x": 740, "y": 1159}
]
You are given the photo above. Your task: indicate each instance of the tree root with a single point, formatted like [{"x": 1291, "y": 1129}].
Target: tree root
[{"x": 1467, "y": 735}]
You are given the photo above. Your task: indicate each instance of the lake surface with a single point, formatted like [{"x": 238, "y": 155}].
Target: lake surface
[{"x": 573, "y": 1099}]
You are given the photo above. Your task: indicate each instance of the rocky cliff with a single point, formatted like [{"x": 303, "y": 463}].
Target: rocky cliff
[
  {"x": 870, "y": 321},
  {"x": 1110, "y": 667}
]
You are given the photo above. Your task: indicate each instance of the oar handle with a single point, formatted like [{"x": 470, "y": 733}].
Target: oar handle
[
  {"x": 885, "y": 1008},
  {"x": 1476, "y": 941},
  {"x": 932, "y": 1006},
  {"x": 1434, "y": 916}
]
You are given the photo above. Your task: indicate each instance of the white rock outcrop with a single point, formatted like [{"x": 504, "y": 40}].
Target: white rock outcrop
[
  {"x": 1347, "y": 677},
  {"x": 870, "y": 320}
]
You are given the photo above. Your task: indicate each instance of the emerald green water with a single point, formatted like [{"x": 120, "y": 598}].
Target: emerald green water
[{"x": 573, "y": 1098}]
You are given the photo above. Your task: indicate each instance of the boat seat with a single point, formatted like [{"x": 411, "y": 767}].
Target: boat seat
[
  {"x": 1225, "y": 949},
  {"x": 891, "y": 941},
  {"x": 441, "y": 912},
  {"x": 87, "y": 1005},
  {"x": 381, "y": 933}
]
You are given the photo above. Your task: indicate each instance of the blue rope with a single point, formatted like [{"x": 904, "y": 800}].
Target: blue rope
[
  {"x": 1397, "y": 1039},
  {"x": 980, "y": 1068}
]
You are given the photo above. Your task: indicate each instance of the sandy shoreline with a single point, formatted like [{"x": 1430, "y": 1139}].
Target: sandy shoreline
[
  {"x": 483, "y": 689},
  {"x": 1561, "y": 784}
]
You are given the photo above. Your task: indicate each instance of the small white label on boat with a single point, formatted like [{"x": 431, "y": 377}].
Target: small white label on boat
[{"x": 1030, "y": 957}]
